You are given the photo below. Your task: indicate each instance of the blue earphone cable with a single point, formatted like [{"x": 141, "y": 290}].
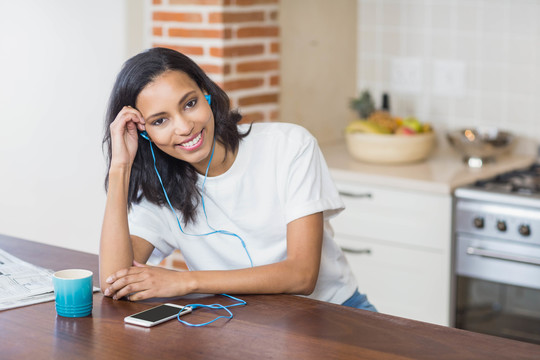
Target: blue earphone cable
[{"x": 212, "y": 306}]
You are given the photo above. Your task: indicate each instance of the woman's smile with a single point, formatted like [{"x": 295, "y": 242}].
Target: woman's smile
[{"x": 193, "y": 143}]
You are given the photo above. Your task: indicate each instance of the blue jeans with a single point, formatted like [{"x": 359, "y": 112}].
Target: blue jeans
[{"x": 359, "y": 301}]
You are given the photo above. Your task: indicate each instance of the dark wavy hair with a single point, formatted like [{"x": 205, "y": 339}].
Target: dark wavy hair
[{"x": 179, "y": 177}]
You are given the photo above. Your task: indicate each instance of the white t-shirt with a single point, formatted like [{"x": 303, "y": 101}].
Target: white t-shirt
[{"x": 279, "y": 175}]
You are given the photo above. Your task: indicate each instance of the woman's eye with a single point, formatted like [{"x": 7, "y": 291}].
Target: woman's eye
[
  {"x": 191, "y": 103},
  {"x": 158, "y": 121}
]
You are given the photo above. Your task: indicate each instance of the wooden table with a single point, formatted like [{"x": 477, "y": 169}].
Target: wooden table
[{"x": 269, "y": 327}]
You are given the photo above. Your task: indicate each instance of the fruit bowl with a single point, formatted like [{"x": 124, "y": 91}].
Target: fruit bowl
[
  {"x": 479, "y": 145},
  {"x": 389, "y": 148}
]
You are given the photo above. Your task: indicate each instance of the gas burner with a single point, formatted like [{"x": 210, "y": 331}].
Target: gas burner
[{"x": 526, "y": 181}]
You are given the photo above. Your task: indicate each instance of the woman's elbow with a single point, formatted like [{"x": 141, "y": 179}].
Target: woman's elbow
[{"x": 306, "y": 283}]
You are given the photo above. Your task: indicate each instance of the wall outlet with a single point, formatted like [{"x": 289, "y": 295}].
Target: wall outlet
[
  {"x": 449, "y": 78},
  {"x": 406, "y": 75}
]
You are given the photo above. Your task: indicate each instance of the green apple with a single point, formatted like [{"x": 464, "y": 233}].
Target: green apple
[{"x": 413, "y": 124}]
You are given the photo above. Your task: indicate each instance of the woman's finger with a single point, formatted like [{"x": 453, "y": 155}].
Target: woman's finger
[
  {"x": 128, "y": 115},
  {"x": 141, "y": 295},
  {"x": 125, "y": 286}
]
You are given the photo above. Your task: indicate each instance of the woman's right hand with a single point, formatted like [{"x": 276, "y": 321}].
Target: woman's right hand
[{"x": 124, "y": 136}]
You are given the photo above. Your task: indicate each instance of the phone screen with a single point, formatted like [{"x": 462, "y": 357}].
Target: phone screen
[{"x": 157, "y": 313}]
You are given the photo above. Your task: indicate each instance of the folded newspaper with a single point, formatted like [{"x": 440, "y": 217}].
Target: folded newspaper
[{"x": 22, "y": 283}]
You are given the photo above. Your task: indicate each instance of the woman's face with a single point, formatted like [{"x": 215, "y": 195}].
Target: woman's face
[{"x": 178, "y": 119}]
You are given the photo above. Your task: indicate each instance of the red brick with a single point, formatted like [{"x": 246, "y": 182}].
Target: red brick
[
  {"x": 176, "y": 16},
  {"x": 157, "y": 31},
  {"x": 264, "y": 65},
  {"x": 156, "y": 2},
  {"x": 216, "y": 69},
  {"x": 252, "y": 117},
  {"x": 275, "y": 48},
  {"x": 274, "y": 115},
  {"x": 234, "y": 17},
  {"x": 187, "y": 50},
  {"x": 258, "y": 31},
  {"x": 255, "y": 2},
  {"x": 241, "y": 50},
  {"x": 200, "y": 33},
  {"x": 242, "y": 84},
  {"x": 274, "y": 80},
  {"x": 258, "y": 99},
  {"x": 196, "y": 2},
  {"x": 179, "y": 264},
  {"x": 274, "y": 15}
]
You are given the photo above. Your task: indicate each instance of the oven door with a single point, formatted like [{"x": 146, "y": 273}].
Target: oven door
[{"x": 498, "y": 288}]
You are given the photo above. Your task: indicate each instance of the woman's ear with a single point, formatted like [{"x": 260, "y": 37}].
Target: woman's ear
[{"x": 144, "y": 134}]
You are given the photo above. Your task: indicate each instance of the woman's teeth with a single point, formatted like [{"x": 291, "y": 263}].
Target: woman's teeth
[{"x": 192, "y": 142}]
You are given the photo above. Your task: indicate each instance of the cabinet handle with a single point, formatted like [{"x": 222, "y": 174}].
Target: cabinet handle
[
  {"x": 356, "y": 251},
  {"x": 355, "y": 195}
]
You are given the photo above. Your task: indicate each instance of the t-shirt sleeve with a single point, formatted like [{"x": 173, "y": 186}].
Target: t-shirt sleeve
[
  {"x": 146, "y": 221},
  {"x": 310, "y": 188}
]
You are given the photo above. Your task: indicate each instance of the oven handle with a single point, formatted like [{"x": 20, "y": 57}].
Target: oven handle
[{"x": 502, "y": 256}]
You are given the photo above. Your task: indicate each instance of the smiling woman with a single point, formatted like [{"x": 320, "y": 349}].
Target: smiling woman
[
  {"x": 167, "y": 87},
  {"x": 246, "y": 204}
]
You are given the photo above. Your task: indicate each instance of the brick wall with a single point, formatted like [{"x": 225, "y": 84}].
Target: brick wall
[{"x": 235, "y": 41}]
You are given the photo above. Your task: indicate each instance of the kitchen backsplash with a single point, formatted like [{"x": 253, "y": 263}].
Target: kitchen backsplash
[{"x": 454, "y": 63}]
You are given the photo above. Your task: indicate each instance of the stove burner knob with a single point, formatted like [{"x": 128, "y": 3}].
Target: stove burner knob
[
  {"x": 524, "y": 230},
  {"x": 501, "y": 225},
  {"x": 478, "y": 222}
]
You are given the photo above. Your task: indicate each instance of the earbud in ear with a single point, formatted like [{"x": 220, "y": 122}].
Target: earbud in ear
[
  {"x": 144, "y": 134},
  {"x": 209, "y": 99}
]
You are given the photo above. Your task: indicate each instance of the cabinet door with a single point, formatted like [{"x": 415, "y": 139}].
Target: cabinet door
[
  {"x": 412, "y": 218},
  {"x": 401, "y": 281}
]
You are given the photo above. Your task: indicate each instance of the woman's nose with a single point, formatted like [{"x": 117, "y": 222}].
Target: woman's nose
[{"x": 182, "y": 127}]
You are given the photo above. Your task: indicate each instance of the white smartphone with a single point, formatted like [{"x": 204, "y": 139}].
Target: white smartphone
[{"x": 156, "y": 315}]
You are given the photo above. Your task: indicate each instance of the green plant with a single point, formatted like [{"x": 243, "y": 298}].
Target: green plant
[{"x": 363, "y": 104}]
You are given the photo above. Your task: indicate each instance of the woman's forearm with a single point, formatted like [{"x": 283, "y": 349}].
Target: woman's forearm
[
  {"x": 116, "y": 250},
  {"x": 287, "y": 277}
]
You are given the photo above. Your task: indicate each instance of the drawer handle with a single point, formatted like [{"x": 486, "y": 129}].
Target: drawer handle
[
  {"x": 500, "y": 256},
  {"x": 356, "y": 251},
  {"x": 355, "y": 195}
]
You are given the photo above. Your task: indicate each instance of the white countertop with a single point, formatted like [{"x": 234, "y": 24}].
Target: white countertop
[{"x": 441, "y": 173}]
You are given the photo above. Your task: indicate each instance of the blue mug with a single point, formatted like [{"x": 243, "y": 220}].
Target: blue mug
[{"x": 73, "y": 292}]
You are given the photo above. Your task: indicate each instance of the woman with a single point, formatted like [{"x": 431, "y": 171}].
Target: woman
[{"x": 246, "y": 205}]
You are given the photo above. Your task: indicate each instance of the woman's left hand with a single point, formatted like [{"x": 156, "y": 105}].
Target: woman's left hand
[{"x": 141, "y": 282}]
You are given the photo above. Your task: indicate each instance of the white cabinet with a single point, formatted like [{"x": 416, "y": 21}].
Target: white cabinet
[{"x": 398, "y": 245}]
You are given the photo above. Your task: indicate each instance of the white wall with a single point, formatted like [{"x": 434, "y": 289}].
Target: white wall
[
  {"x": 58, "y": 61},
  {"x": 496, "y": 43}
]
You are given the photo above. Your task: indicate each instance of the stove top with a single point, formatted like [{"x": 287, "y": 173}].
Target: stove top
[
  {"x": 524, "y": 181},
  {"x": 517, "y": 188}
]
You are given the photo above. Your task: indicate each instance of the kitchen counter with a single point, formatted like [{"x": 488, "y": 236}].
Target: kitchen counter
[
  {"x": 268, "y": 327},
  {"x": 441, "y": 173}
]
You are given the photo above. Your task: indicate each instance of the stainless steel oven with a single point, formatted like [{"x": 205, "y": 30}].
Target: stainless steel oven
[{"x": 497, "y": 256}]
